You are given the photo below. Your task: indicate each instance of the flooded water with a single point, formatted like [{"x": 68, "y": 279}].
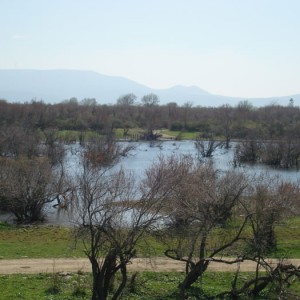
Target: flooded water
[{"x": 145, "y": 154}]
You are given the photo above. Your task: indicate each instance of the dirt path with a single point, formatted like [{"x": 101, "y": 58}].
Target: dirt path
[{"x": 157, "y": 264}]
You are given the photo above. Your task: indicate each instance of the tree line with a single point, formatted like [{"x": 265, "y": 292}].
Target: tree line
[
  {"x": 268, "y": 135},
  {"x": 230, "y": 122}
]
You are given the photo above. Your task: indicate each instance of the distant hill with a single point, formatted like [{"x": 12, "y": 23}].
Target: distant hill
[{"x": 54, "y": 86}]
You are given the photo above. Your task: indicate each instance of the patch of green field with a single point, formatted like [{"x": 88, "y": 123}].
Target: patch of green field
[
  {"x": 38, "y": 241},
  {"x": 131, "y": 134},
  {"x": 68, "y": 135},
  {"x": 181, "y": 135},
  {"x": 55, "y": 241},
  {"x": 71, "y": 136},
  {"x": 147, "y": 286},
  {"x": 288, "y": 238},
  {"x": 45, "y": 286}
]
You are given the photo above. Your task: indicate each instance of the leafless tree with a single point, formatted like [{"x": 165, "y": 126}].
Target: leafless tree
[
  {"x": 203, "y": 201},
  {"x": 151, "y": 115},
  {"x": 247, "y": 151},
  {"x": 126, "y": 100},
  {"x": 54, "y": 148},
  {"x": 273, "y": 279},
  {"x": 206, "y": 148},
  {"x": 225, "y": 114},
  {"x": 16, "y": 141},
  {"x": 114, "y": 213},
  {"x": 267, "y": 202},
  {"x": 105, "y": 151},
  {"x": 270, "y": 200},
  {"x": 26, "y": 186},
  {"x": 150, "y": 100}
]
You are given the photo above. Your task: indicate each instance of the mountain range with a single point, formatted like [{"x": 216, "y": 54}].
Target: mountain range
[{"x": 53, "y": 86}]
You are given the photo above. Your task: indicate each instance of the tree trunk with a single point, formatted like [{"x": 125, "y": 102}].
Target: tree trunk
[{"x": 193, "y": 276}]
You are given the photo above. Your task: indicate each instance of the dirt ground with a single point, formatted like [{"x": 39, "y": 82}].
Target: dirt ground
[{"x": 157, "y": 264}]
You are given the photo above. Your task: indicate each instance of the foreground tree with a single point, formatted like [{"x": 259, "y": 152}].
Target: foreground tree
[
  {"x": 270, "y": 201},
  {"x": 114, "y": 214},
  {"x": 202, "y": 202}
]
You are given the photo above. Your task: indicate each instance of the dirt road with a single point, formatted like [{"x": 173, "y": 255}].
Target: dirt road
[{"x": 157, "y": 264}]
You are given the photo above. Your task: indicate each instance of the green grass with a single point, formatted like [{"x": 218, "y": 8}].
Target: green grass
[
  {"x": 183, "y": 135},
  {"x": 71, "y": 136},
  {"x": 288, "y": 238},
  {"x": 45, "y": 286},
  {"x": 68, "y": 135},
  {"x": 37, "y": 241},
  {"x": 56, "y": 241},
  {"x": 147, "y": 286},
  {"x": 132, "y": 132}
]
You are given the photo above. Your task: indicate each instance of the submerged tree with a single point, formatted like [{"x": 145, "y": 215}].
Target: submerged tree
[
  {"x": 206, "y": 148},
  {"x": 104, "y": 151}
]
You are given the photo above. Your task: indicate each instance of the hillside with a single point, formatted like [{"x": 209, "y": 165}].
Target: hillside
[{"x": 54, "y": 86}]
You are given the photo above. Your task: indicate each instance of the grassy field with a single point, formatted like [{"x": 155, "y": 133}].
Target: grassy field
[
  {"x": 37, "y": 241},
  {"x": 52, "y": 241},
  {"x": 55, "y": 241},
  {"x": 71, "y": 136},
  {"x": 78, "y": 286},
  {"x": 288, "y": 238},
  {"x": 148, "y": 286},
  {"x": 180, "y": 135}
]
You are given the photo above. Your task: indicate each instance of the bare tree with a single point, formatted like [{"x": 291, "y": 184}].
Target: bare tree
[
  {"x": 125, "y": 112},
  {"x": 203, "y": 201},
  {"x": 150, "y": 100},
  {"x": 267, "y": 202},
  {"x": 206, "y": 148},
  {"x": 54, "y": 148},
  {"x": 16, "y": 141},
  {"x": 26, "y": 186},
  {"x": 126, "y": 100},
  {"x": 114, "y": 213},
  {"x": 105, "y": 151},
  {"x": 273, "y": 279},
  {"x": 247, "y": 151},
  {"x": 226, "y": 118},
  {"x": 151, "y": 113}
]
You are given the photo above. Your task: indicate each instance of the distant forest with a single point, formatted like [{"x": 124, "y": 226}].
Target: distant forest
[{"x": 225, "y": 122}]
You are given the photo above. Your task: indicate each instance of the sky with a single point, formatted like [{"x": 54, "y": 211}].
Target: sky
[{"x": 243, "y": 48}]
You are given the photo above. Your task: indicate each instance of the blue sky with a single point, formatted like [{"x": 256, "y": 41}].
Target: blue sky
[{"x": 245, "y": 48}]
